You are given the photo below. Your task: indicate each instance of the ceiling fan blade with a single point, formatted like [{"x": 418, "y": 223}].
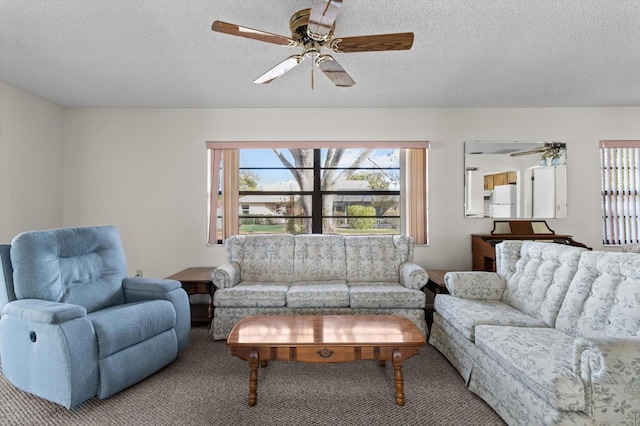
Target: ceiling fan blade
[
  {"x": 532, "y": 151},
  {"x": 323, "y": 16},
  {"x": 279, "y": 69},
  {"x": 548, "y": 146},
  {"x": 372, "y": 43},
  {"x": 237, "y": 30},
  {"x": 332, "y": 69}
]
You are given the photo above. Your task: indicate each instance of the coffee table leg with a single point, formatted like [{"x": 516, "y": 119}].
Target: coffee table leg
[
  {"x": 254, "y": 361},
  {"x": 397, "y": 368}
]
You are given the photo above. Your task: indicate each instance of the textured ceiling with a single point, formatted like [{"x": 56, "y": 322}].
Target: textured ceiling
[{"x": 475, "y": 53}]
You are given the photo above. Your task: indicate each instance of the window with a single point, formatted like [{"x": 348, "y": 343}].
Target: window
[
  {"x": 620, "y": 183},
  {"x": 346, "y": 188},
  {"x": 328, "y": 191}
]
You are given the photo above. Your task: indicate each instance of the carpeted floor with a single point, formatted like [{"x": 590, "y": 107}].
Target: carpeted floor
[{"x": 206, "y": 385}]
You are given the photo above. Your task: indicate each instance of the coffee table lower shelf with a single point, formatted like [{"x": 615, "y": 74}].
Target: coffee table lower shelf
[{"x": 398, "y": 338}]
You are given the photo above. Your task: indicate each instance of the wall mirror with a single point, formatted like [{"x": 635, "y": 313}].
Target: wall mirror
[{"x": 517, "y": 180}]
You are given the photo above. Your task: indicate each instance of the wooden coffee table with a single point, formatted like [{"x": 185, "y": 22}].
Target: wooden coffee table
[{"x": 325, "y": 339}]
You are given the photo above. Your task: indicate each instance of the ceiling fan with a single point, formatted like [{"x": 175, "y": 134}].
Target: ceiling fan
[
  {"x": 312, "y": 30},
  {"x": 553, "y": 148}
]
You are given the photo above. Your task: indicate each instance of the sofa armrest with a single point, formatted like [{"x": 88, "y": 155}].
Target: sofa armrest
[
  {"x": 226, "y": 275},
  {"x": 42, "y": 311},
  {"x": 610, "y": 370},
  {"x": 475, "y": 285},
  {"x": 608, "y": 359},
  {"x": 413, "y": 276},
  {"x": 138, "y": 289}
]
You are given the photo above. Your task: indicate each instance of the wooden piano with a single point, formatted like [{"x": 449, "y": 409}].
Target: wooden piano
[{"x": 483, "y": 245}]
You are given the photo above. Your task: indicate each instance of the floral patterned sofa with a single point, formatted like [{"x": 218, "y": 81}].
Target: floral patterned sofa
[
  {"x": 317, "y": 274},
  {"x": 552, "y": 338}
]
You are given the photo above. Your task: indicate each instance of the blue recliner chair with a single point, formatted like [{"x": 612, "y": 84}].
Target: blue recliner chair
[{"x": 74, "y": 326}]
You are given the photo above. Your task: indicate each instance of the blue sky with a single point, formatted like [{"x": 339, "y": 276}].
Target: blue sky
[{"x": 270, "y": 178}]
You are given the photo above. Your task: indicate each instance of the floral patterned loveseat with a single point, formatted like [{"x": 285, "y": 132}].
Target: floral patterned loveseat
[
  {"x": 552, "y": 338},
  {"x": 317, "y": 274}
]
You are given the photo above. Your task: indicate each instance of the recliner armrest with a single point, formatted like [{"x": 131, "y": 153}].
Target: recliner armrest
[
  {"x": 413, "y": 276},
  {"x": 475, "y": 285},
  {"x": 151, "y": 285},
  {"x": 138, "y": 289},
  {"x": 43, "y": 311}
]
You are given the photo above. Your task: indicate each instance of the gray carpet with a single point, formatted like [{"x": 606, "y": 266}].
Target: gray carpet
[{"x": 206, "y": 385}]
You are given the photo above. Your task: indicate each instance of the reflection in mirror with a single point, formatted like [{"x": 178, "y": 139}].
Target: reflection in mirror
[{"x": 515, "y": 180}]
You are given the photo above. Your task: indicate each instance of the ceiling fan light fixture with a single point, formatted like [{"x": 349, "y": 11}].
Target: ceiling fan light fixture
[
  {"x": 312, "y": 53},
  {"x": 313, "y": 29}
]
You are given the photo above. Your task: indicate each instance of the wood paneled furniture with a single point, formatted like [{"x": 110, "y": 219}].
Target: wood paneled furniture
[
  {"x": 325, "y": 339},
  {"x": 436, "y": 281},
  {"x": 506, "y": 178},
  {"x": 436, "y": 286},
  {"x": 198, "y": 281},
  {"x": 483, "y": 245}
]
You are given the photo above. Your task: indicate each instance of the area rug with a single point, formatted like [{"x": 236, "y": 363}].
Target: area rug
[{"x": 206, "y": 385}]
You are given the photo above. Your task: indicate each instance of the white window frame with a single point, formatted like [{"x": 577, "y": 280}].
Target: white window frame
[{"x": 413, "y": 191}]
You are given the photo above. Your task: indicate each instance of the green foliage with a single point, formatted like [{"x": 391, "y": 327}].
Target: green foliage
[
  {"x": 258, "y": 221},
  {"x": 361, "y": 222},
  {"x": 249, "y": 181},
  {"x": 262, "y": 229},
  {"x": 378, "y": 181}
]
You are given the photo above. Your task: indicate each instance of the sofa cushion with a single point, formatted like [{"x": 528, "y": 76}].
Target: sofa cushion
[
  {"x": 318, "y": 294},
  {"x": 82, "y": 266},
  {"x": 541, "y": 279},
  {"x": 319, "y": 257},
  {"x": 253, "y": 294},
  {"x": 604, "y": 297},
  {"x": 121, "y": 326},
  {"x": 266, "y": 258},
  {"x": 466, "y": 314},
  {"x": 540, "y": 358},
  {"x": 404, "y": 247},
  {"x": 507, "y": 255},
  {"x": 384, "y": 295},
  {"x": 372, "y": 258}
]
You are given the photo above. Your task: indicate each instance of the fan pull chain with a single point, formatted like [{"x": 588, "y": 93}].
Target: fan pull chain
[{"x": 311, "y": 75}]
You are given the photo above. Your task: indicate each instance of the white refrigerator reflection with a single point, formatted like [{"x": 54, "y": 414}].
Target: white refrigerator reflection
[{"x": 503, "y": 201}]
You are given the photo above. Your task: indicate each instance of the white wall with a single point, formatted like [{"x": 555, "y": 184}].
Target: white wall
[
  {"x": 144, "y": 170},
  {"x": 31, "y": 135}
]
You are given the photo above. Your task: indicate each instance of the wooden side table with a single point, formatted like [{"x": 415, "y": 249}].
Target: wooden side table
[
  {"x": 436, "y": 286},
  {"x": 436, "y": 281},
  {"x": 198, "y": 281}
]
